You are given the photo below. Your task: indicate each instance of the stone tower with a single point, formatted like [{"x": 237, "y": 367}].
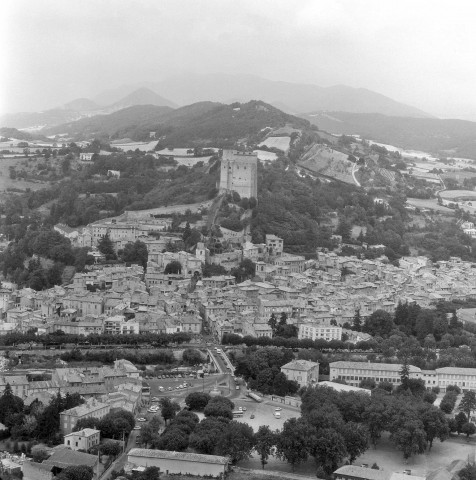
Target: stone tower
[{"x": 239, "y": 172}]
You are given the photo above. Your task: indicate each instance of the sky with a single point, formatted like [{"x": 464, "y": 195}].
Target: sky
[{"x": 419, "y": 52}]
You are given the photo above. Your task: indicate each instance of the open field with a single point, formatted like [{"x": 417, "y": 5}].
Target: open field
[
  {"x": 458, "y": 175},
  {"x": 326, "y": 161},
  {"x": 7, "y": 182},
  {"x": 281, "y": 143},
  {"x": 458, "y": 194}
]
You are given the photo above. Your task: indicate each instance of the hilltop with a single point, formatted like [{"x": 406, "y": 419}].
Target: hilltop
[{"x": 200, "y": 124}]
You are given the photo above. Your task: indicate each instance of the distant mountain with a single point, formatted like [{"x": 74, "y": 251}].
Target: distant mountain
[
  {"x": 455, "y": 138},
  {"x": 199, "y": 124},
  {"x": 142, "y": 96},
  {"x": 108, "y": 125},
  {"x": 19, "y": 135},
  {"x": 297, "y": 98},
  {"x": 82, "y": 105},
  {"x": 82, "y": 108}
]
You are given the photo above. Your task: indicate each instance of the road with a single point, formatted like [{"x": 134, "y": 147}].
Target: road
[{"x": 354, "y": 169}]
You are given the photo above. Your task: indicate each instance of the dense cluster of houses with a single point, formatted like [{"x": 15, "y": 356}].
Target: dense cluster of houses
[{"x": 318, "y": 296}]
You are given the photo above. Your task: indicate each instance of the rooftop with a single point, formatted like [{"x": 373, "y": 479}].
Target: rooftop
[{"x": 184, "y": 456}]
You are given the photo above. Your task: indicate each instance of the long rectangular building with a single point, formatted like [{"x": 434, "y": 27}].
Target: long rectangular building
[{"x": 354, "y": 372}]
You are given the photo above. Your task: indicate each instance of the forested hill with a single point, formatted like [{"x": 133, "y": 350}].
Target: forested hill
[
  {"x": 200, "y": 124},
  {"x": 446, "y": 136}
]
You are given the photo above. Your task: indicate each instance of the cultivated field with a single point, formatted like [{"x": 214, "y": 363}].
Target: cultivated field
[{"x": 326, "y": 161}]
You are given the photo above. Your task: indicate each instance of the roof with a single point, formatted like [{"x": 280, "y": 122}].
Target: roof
[
  {"x": 396, "y": 367},
  {"x": 85, "y": 432},
  {"x": 457, "y": 371},
  {"x": 362, "y": 472},
  {"x": 300, "y": 365},
  {"x": 183, "y": 456},
  {"x": 65, "y": 457}
]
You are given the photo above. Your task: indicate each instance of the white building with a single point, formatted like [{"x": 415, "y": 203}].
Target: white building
[
  {"x": 303, "y": 372},
  {"x": 316, "y": 332},
  {"x": 82, "y": 440}
]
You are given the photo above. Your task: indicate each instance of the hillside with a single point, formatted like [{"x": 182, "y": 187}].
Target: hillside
[
  {"x": 326, "y": 161},
  {"x": 449, "y": 137},
  {"x": 290, "y": 97},
  {"x": 200, "y": 124}
]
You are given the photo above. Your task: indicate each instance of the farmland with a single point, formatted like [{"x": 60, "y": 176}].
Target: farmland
[{"x": 326, "y": 161}]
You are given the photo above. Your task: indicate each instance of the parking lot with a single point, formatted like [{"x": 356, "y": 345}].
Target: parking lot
[{"x": 264, "y": 413}]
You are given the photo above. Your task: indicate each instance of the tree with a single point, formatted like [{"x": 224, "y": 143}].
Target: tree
[
  {"x": 468, "y": 403},
  {"x": 206, "y": 434},
  {"x": 357, "y": 321},
  {"x": 219, "y": 407},
  {"x": 460, "y": 420},
  {"x": 404, "y": 373},
  {"x": 237, "y": 441},
  {"x": 197, "y": 400},
  {"x": 292, "y": 443},
  {"x": 9, "y": 403},
  {"x": 264, "y": 442},
  {"x": 106, "y": 247},
  {"x": 191, "y": 356},
  {"x": 174, "y": 267},
  {"x": 368, "y": 383},
  {"x": 379, "y": 323},
  {"x": 168, "y": 408},
  {"x": 435, "y": 425},
  {"x": 246, "y": 269},
  {"x": 356, "y": 438},
  {"x": 39, "y": 453},
  {"x": 409, "y": 437},
  {"x": 111, "y": 448},
  {"x": 273, "y": 323},
  {"x": 135, "y": 253},
  {"x": 468, "y": 429},
  {"x": 468, "y": 472},
  {"x": 328, "y": 449}
]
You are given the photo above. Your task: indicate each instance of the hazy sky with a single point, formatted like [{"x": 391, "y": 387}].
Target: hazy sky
[{"x": 421, "y": 52}]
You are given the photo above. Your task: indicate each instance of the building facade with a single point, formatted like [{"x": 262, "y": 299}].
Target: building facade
[
  {"x": 239, "y": 173},
  {"x": 303, "y": 372},
  {"x": 82, "y": 440}
]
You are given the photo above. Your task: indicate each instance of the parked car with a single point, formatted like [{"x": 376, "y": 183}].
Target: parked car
[
  {"x": 252, "y": 415},
  {"x": 277, "y": 409},
  {"x": 141, "y": 419}
]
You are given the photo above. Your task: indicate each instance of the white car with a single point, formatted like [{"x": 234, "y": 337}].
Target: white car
[
  {"x": 137, "y": 427},
  {"x": 142, "y": 419},
  {"x": 277, "y": 409}
]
